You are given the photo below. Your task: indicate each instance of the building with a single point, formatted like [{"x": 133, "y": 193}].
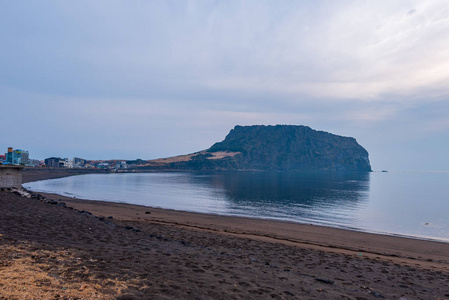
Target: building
[
  {"x": 9, "y": 155},
  {"x": 34, "y": 163},
  {"x": 103, "y": 165},
  {"x": 53, "y": 162},
  {"x": 67, "y": 163},
  {"x": 57, "y": 162},
  {"x": 16, "y": 157},
  {"x": 25, "y": 157},
  {"x": 79, "y": 162}
]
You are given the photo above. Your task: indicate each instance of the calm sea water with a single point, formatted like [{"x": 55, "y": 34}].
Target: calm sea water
[{"x": 398, "y": 203}]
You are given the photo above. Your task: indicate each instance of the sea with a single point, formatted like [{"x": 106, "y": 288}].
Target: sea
[{"x": 411, "y": 204}]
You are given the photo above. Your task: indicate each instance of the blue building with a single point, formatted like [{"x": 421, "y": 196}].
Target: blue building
[
  {"x": 9, "y": 155},
  {"x": 17, "y": 157}
]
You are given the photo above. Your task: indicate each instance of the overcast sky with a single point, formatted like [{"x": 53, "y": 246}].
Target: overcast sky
[{"x": 150, "y": 79}]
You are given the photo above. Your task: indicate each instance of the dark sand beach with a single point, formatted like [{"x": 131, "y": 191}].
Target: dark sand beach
[{"x": 101, "y": 250}]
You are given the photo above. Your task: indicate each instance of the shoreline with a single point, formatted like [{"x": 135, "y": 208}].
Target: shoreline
[
  {"x": 122, "y": 211},
  {"x": 324, "y": 237},
  {"x": 54, "y": 246},
  {"x": 268, "y": 219}
]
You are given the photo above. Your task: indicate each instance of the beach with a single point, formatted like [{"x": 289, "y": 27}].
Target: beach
[{"x": 54, "y": 247}]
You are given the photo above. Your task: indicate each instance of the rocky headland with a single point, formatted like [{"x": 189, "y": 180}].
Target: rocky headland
[{"x": 274, "y": 148}]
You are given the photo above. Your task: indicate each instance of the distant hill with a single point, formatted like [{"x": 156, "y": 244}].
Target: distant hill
[{"x": 279, "y": 147}]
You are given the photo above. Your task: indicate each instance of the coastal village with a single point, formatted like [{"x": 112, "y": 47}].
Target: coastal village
[{"x": 22, "y": 157}]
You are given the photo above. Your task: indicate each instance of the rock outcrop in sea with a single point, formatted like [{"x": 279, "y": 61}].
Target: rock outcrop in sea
[{"x": 279, "y": 147}]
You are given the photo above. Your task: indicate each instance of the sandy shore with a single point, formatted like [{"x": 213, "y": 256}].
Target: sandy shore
[{"x": 105, "y": 250}]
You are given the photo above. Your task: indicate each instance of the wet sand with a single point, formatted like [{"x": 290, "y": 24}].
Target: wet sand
[{"x": 105, "y": 250}]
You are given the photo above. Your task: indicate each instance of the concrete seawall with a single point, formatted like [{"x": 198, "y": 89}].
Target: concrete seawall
[{"x": 10, "y": 176}]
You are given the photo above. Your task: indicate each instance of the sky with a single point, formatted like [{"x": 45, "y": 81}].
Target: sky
[{"x": 150, "y": 79}]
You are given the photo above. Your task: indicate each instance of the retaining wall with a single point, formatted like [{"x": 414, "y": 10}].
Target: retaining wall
[{"x": 10, "y": 176}]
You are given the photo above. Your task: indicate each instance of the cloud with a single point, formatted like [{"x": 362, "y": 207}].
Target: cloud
[
  {"x": 360, "y": 51},
  {"x": 154, "y": 75},
  {"x": 337, "y": 51},
  {"x": 438, "y": 125},
  {"x": 370, "y": 114}
]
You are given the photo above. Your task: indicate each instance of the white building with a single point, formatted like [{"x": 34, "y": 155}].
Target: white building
[{"x": 68, "y": 163}]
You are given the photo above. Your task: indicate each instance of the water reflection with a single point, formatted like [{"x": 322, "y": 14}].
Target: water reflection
[
  {"x": 401, "y": 203},
  {"x": 318, "y": 197},
  {"x": 292, "y": 187}
]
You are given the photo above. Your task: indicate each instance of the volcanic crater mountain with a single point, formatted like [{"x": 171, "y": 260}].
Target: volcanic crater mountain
[{"x": 279, "y": 147}]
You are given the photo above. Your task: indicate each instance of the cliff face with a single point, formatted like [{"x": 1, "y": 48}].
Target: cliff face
[{"x": 281, "y": 147}]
